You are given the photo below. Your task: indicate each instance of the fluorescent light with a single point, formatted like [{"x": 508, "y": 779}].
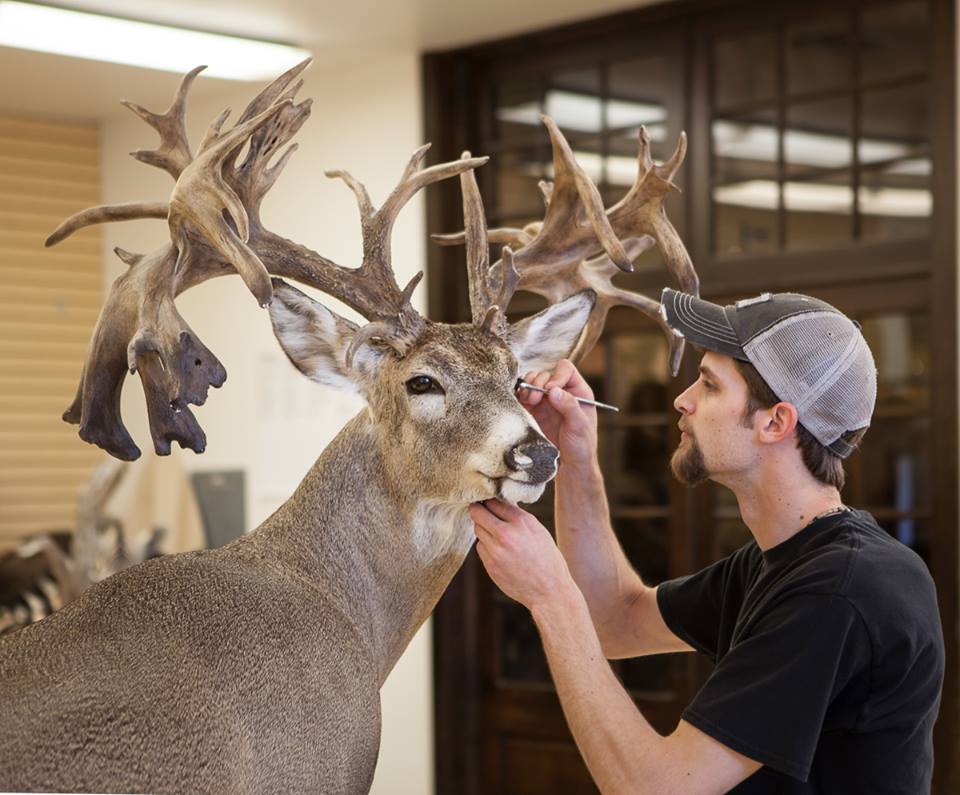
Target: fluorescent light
[
  {"x": 758, "y": 142},
  {"x": 582, "y": 113},
  {"x": 100, "y": 38},
  {"x": 833, "y": 199}
]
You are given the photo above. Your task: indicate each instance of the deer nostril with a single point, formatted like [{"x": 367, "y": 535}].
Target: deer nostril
[
  {"x": 516, "y": 460},
  {"x": 522, "y": 461}
]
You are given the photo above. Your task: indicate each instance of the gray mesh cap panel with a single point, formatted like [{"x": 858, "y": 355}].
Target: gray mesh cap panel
[{"x": 819, "y": 362}]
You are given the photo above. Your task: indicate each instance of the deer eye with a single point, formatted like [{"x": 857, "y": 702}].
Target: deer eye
[{"x": 422, "y": 385}]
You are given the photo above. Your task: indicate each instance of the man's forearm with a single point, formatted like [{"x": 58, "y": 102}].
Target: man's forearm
[
  {"x": 623, "y": 752},
  {"x": 586, "y": 539}
]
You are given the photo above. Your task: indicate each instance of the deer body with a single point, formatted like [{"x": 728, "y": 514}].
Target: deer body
[{"x": 255, "y": 667}]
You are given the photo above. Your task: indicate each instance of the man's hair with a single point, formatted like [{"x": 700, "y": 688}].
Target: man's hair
[{"x": 825, "y": 465}]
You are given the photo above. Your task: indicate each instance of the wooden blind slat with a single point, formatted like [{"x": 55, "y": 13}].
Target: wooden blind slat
[
  {"x": 84, "y": 175},
  {"x": 75, "y": 136},
  {"x": 46, "y": 153},
  {"x": 48, "y": 307}
]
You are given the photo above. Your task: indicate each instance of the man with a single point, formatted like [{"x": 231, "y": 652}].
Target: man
[{"x": 824, "y": 630}]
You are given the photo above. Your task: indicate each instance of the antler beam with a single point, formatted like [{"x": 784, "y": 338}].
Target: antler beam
[{"x": 215, "y": 230}]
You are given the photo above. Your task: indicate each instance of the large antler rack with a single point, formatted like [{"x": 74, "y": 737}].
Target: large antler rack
[
  {"x": 579, "y": 245},
  {"x": 215, "y": 230}
]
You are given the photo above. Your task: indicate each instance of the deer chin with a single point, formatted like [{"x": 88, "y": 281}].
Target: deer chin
[{"x": 510, "y": 490}]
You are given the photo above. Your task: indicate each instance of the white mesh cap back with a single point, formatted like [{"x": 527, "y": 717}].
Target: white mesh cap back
[{"x": 819, "y": 362}]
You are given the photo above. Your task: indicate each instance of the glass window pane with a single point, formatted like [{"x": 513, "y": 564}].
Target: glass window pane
[
  {"x": 521, "y": 653},
  {"x": 818, "y": 154},
  {"x": 894, "y": 149},
  {"x": 646, "y": 543},
  {"x": 636, "y": 462},
  {"x": 573, "y": 101},
  {"x": 894, "y": 41},
  {"x": 746, "y": 191},
  {"x": 745, "y": 70},
  {"x": 819, "y": 55},
  {"x": 518, "y": 108},
  {"x": 637, "y": 95},
  {"x": 900, "y": 343},
  {"x": 517, "y": 190},
  {"x": 895, "y": 464},
  {"x": 639, "y": 381}
]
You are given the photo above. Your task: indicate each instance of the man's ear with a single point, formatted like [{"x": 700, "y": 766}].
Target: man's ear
[
  {"x": 314, "y": 338},
  {"x": 541, "y": 340},
  {"x": 779, "y": 423}
]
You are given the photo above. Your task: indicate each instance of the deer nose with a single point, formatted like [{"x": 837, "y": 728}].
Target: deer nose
[{"x": 538, "y": 458}]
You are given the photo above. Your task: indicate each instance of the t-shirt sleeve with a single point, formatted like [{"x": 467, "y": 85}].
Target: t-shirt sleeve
[
  {"x": 767, "y": 697},
  {"x": 693, "y": 606}
]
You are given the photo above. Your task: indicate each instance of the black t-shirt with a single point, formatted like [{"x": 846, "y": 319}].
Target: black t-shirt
[{"x": 829, "y": 659}]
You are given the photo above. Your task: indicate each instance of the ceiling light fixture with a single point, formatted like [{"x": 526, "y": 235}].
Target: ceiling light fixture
[{"x": 124, "y": 41}]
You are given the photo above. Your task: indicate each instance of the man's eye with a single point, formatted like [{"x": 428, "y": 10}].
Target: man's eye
[
  {"x": 708, "y": 386},
  {"x": 422, "y": 385}
]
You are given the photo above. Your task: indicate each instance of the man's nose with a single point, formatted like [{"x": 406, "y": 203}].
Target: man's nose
[
  {"x": 684, "y": 402},
  {"x": 537, "y": 457}
]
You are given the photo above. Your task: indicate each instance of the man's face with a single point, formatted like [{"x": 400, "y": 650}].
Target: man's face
[{"x": 715, "y": 443}]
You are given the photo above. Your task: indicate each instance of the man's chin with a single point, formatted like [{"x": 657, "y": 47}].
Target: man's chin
[{"x": 688, "y": 467}]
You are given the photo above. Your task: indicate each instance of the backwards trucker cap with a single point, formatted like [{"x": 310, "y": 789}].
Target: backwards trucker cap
[{"x": 809, "y": 353}]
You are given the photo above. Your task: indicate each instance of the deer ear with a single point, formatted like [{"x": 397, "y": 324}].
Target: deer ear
[
  {"x": 543, "y": 339},
  {"x": 315, "y": 339}
]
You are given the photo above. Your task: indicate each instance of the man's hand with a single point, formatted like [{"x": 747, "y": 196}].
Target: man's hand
[
  {"x": 519, "y": 553},
  {"x": 571, "y": 426}
]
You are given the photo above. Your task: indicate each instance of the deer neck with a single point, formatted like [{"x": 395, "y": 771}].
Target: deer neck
[{"x": 382, "y": 554}]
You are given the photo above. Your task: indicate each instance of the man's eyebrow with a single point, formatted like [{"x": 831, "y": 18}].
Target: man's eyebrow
[{"x": 704, "y": 370}]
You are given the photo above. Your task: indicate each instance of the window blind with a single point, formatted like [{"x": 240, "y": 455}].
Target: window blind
[{"x": 48, "y": 306}]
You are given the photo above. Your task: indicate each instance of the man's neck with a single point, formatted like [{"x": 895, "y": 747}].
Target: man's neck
[{"x": 779, "y": 501}]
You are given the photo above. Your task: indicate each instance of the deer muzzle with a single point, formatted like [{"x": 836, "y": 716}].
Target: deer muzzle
[{"x": 536, "y": 458}]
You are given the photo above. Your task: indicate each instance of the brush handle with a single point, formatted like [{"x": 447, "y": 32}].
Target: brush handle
[{"x": 584, "y": 401}]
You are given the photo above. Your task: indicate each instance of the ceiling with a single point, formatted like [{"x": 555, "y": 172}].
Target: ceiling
[{"x": 336, "y": 32}]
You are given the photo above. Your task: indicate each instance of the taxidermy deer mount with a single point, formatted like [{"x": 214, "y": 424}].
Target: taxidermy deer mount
[{"x": 256, "y": 667}]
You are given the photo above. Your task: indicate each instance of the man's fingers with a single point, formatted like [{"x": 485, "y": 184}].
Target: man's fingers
[
  {"x": 572, "y": 411},
  {"x": 567, "y": 377},
  {"x": 486, "y": 519},
  {"x": 503, "y": 510}
]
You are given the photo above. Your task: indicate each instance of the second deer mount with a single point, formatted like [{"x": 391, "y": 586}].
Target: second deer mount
[{"x": 215, "y": 229}]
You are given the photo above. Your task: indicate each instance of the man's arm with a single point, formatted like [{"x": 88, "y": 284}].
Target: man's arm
[
  {"x": 622, "y": 751},
  {"x": 624, "y": 610}
]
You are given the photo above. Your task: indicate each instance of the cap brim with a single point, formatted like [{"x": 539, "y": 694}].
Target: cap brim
[{"x": 700, "y": 323}]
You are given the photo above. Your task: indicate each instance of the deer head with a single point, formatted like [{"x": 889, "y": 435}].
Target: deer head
[{"x": 441, "y": 396}]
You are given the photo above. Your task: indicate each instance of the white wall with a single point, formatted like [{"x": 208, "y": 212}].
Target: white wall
[{"x": 365, "y": 119}]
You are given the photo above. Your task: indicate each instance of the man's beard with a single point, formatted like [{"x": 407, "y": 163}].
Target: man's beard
[{"x": 687, "y": 464}]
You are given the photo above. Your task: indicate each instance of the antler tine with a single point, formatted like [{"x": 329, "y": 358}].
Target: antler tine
[
  {"x": 570, "y": 177},
  {"x": 578, "y": 244},
  {"x": 478, "y": 251},
  {"x": 173, "y": 154},
  {"x": 275, "y": 91},
  {"x": 373, "y": 290},
  {"x": 105, "y": 214},
  {"x": 503, "y": 235}
]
